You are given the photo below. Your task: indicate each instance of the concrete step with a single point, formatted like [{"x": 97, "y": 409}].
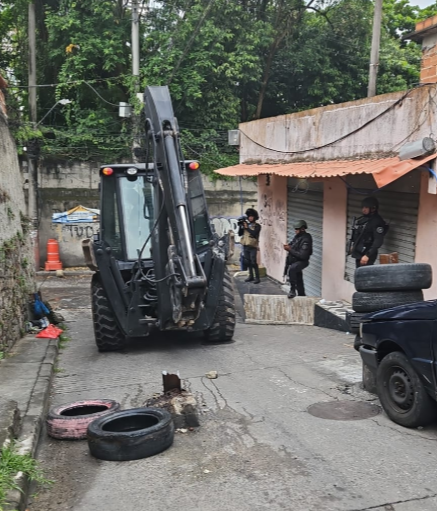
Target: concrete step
[{"x": 279, "y": 310}]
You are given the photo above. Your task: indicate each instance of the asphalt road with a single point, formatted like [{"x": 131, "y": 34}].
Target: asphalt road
[{"x": 258, "y": 448}]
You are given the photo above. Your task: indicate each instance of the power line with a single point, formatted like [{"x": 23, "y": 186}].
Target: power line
[{"x": 356, "y": 130}]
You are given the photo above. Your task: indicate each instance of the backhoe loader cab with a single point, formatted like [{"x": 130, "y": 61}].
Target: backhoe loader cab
[{"x": 158, "y": 265}]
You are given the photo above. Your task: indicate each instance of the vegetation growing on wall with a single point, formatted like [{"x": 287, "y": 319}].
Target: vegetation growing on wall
[
  {"x": 16, "y": 278},
  {"x": 225, "y": 62}
]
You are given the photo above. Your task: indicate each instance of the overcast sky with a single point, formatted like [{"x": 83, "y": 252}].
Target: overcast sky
[{"x": 422, "y": 3}]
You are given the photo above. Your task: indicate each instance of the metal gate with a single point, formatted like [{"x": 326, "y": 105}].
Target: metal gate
[
  {"x": 400, "y": 210},
  {"x": 309, "y": 207}
]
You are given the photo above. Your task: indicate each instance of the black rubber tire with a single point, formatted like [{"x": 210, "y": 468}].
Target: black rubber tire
[
  {"x": 107, "y": 333},
  {"x": 376, "y": 301},
  {"x": 223, "y": 326},
  {"x": 354, "y": 319},
  {"x": 131, "y": 434},
  {"x": 417, "y": 408},
  {"x": 393, "y": 277}
]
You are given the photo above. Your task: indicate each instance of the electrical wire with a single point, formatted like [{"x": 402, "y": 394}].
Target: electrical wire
[
  {"x": 102, "y": 98},
  {"x": 343, "y": 137},
  {"x": 97, "y": 80}
]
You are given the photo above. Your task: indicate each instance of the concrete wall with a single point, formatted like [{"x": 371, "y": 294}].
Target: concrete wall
[
  {"x": 411, "y": 119},
  {"x": 16, "y": 254},
  {"x": 65, "y": 185},
  {"x": 334, "y": 286},
  {"x": 426, "y": 241},
  {"x": 272, "y": 207}
]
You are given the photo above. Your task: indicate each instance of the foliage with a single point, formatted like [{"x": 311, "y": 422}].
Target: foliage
[
  {"x": 10, "y": 464},
  {"x": 225, "y": 62}
]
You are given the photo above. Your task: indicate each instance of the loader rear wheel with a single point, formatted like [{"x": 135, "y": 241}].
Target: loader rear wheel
[
  {"x": 106, "y": 331},
  {"x": 223, "y": 325}
]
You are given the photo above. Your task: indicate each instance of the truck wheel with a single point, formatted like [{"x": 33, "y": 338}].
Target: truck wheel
[
  {"x": 106, "y": 331},
  {"x": 376, "y": 301},
  {"x": 394, "y": 277},
  {"x": 223, "y": 325},
  {"x": 402, "y": 393}
]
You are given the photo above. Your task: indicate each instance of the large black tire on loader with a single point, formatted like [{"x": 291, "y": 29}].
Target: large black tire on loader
[
  {"x": 223, "y": 326},
  {"x": 107, "y": 333}
]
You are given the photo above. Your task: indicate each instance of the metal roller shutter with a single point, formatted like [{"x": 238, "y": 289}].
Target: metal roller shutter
[
  {"x": 398, "y": 209},
  {"x": 309, "y": 207}
]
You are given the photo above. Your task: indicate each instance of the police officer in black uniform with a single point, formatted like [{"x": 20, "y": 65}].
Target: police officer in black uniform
[
  {"x": 249, "y": 230},
  {"x": 299, "y": 251},
  {"x": 368, "y": 233}
]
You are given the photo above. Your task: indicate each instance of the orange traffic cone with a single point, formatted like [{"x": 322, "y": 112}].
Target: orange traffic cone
[{"x": 53, "y": 262}]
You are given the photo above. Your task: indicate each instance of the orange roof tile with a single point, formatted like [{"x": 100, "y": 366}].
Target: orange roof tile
[{"x": 383, "y": 170}]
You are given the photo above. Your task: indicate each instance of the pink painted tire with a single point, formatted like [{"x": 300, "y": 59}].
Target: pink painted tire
[{"x": 71, "y": 421}]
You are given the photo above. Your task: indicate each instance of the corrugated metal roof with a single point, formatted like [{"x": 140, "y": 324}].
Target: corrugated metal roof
[{"x": 384, "y": 170}]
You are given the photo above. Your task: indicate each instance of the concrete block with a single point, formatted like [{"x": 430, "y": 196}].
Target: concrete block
[
  {"x": 182, "y": 406},
  {"x": 276, "y": 309}
]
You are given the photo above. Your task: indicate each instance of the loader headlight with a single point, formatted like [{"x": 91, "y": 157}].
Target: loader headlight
[
  {"x": 194, "y": 165},
  {"x": 132, "y": 171},
  {"x": 107, "y": 171}
]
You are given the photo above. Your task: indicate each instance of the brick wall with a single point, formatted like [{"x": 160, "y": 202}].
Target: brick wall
[{"x": 428, "y": 70}]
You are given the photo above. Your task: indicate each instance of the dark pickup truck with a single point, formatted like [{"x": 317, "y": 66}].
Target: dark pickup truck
[{"x": 399, "y": 349}]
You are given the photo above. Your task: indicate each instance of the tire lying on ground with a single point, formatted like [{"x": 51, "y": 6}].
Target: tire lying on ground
[
  {"x": 372, "y": 301},
  {"x": 131, "y": 434},
  {"x": 70, "y": 421},
  {"x": 393, "y": 277}
]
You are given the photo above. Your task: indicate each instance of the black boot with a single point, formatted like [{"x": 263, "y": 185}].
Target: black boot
[
  {"x": 292, "y": 292},
  {"x": 250, "y": 277},
  {"x": 256, "y": 281}
]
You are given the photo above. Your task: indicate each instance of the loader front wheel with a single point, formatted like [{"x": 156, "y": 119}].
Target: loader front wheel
[
  {"x": 106, "y": 331},
  {"x": 223, "y": 325}
]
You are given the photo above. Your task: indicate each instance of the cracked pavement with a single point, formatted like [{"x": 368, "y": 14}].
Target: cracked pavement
[{"x": 257, "y": 448}]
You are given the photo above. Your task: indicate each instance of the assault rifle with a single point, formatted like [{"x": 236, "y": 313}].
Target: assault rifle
[{"x": 352, "y": 238}]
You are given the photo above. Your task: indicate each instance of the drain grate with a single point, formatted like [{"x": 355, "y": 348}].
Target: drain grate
[{"x": 344, "y": 410}]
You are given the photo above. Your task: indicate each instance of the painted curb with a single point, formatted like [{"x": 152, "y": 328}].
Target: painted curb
[{"x": 31, "y": 427}]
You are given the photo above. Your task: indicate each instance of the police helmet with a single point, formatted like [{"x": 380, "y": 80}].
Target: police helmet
[
  {"x": 370, "y": 202},
  {"x": 252, "y": 212},
  {"x": 300, "y": 224}
]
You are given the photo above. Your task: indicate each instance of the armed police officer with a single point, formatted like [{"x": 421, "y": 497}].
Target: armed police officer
[
  {"x": 249, "y": 230},
  {"x": 299, "y": 251},
  {"x": 367, "y": 234}
]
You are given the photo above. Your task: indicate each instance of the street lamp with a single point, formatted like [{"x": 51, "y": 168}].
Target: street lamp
[{"x": 60, "y": 102}]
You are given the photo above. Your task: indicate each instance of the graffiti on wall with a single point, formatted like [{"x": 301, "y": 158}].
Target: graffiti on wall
[
  {"x": 223, "y": 224},
  {"x": 69, "y": 233}
]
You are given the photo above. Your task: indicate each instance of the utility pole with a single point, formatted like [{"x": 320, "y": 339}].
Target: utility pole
[
  {"x": 374, "y": 56},
  {"x": 135, "y": 71},
  {"x": 32, "y": 157}
]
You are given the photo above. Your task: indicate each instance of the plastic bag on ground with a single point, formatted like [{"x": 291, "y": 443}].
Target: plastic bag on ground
[{"x": 51, "y": 332}]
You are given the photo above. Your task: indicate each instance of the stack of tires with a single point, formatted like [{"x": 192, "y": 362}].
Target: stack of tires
[{"x": 385, "y": 286}]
